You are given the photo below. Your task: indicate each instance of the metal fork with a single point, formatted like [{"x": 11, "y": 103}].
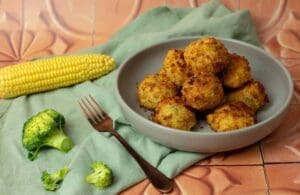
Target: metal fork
[{"x": 103, "y": 123}]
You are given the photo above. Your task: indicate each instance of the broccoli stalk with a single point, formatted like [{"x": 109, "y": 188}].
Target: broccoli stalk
[
  {"x": 101, "y": 176},
  {"x": 45, "y": 129},
  {"x": 53, "y": 181},
  {"x": 57, "y": 140}
]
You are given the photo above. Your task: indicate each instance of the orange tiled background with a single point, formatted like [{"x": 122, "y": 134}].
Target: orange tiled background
[{"x": 31, "y": 28}]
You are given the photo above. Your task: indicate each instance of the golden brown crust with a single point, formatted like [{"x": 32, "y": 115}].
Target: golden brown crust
[
  {"x": 206, "y": 55},
  {"x": 253, "y": 95},
  {"x": 175, "y": 67},
  {"x": 203, "y": 91},
  {"x": 201, "y": 71},
  {"x": 153, "y": 89},
  {"x": 237, "y": 73},
  {"x": 172, "y": 112},
  {"x": 231, "y": 116}
]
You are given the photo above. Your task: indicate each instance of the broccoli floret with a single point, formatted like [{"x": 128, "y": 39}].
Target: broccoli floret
[
  {"x": 52, "y": 182},
  {"x": 102, "y": 175},
  {"x": 45, "y": 129}
]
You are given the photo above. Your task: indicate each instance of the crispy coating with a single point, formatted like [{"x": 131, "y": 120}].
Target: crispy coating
[
  {"x": 203, "y": 91},
  {"x": 253, "y": 95},
  {"x": 153, "y": 89},
  {"x": 175, "y": 67},
  {"x": 206, "y": 55},
  {"x": 192, "y": 81},
  {"x": 231, "y": 116},
  {"x": 237, "y": 73},
  {"x": 172, "y": 112}
]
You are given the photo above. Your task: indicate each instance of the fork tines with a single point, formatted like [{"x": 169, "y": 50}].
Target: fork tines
[{"x": 92, "y": 110}]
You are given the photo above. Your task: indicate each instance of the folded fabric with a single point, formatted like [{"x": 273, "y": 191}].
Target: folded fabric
[{"x": 19, "y": 175}]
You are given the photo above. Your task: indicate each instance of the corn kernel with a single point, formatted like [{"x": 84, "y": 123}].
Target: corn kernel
[{"x": 47, "y": 74}]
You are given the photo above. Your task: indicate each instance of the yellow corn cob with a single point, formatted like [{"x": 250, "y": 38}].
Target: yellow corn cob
[{"x": 46, "y": 74}]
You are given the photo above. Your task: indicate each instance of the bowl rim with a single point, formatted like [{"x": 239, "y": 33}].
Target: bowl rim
[{"x": 282, "y": 108}]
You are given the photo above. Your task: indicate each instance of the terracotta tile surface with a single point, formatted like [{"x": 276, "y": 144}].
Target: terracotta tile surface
[
  {"x": 56, "y": 27},
  {"x": 11, "y": 15},
  {"x": 11, "y": 22},
  {"x": 283, "y": 179},
  {"x": 284, "y": 144},
  {"x": 218, "y": 180},
  {"x": 31, "y": 28},
  {"x": 6, "y": 63},
  {"x": 231, "y": 4},
  {"x": 294, "y": 68},
  {"x": 247, "y": 156},
  {"x": 137, "y": 189},
  {"x": 266, "y": 13},
  {"x": 213, "y": 180}
]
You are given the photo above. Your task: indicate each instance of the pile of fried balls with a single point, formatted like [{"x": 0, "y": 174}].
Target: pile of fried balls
[{"x": 204, "y": 80}]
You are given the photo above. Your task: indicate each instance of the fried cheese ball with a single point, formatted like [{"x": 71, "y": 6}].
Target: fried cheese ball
[
  {"x": 153, "y": 89},
  {"x": 203, "y": 91},
  {"x": 206, "y": 55},
  {"x": 231, "y": 116},
  {"x": 175, "y": 67},
  {"x": 172, "y": 112},
  {"x": 237, "y": 73},
  {"x": 253, "y": 95}
]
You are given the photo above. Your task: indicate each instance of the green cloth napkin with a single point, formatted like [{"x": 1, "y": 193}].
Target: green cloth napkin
[{"x": 18, "y": 175}]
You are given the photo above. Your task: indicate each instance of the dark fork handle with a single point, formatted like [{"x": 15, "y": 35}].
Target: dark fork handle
[{"x": 158, "y": 179}]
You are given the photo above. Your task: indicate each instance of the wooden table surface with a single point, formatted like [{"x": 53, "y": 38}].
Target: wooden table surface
[{"x": 32, "y": 28}]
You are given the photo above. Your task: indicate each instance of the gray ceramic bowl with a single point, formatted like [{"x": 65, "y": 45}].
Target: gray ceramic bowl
[{"x": 265, "y": 68}]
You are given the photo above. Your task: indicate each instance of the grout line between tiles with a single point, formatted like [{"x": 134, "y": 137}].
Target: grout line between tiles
[
  {"x": 261, "y": 152},
  {"x": 272, "y": 163},
  {"x": 266, "y": 179},
  {"x": 280, "y": 163},
  {"x": 264, "y": 168},
  {"x": 230, "y": 165},
  {"x": 247, "y": 165}
]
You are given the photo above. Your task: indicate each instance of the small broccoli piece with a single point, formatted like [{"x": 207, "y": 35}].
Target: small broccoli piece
[
  {"x": 45, "y": 129},
  {"x": 52, "y": 182},
  {"x": 102, "y": 176}
]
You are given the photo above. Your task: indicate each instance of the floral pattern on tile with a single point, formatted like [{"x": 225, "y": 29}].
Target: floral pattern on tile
[
  {"x": 31, "y": 28},
  {"x": 10, "y": 25},
  {"x": 57, "y": 27},
  {"x": 286, "y": 42},
  {"x": 216, "y": 180},
  {"x": 284, "y": 144},
  {"x": 245, "y": 156},
  {"x": 266, "y": 13}
]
